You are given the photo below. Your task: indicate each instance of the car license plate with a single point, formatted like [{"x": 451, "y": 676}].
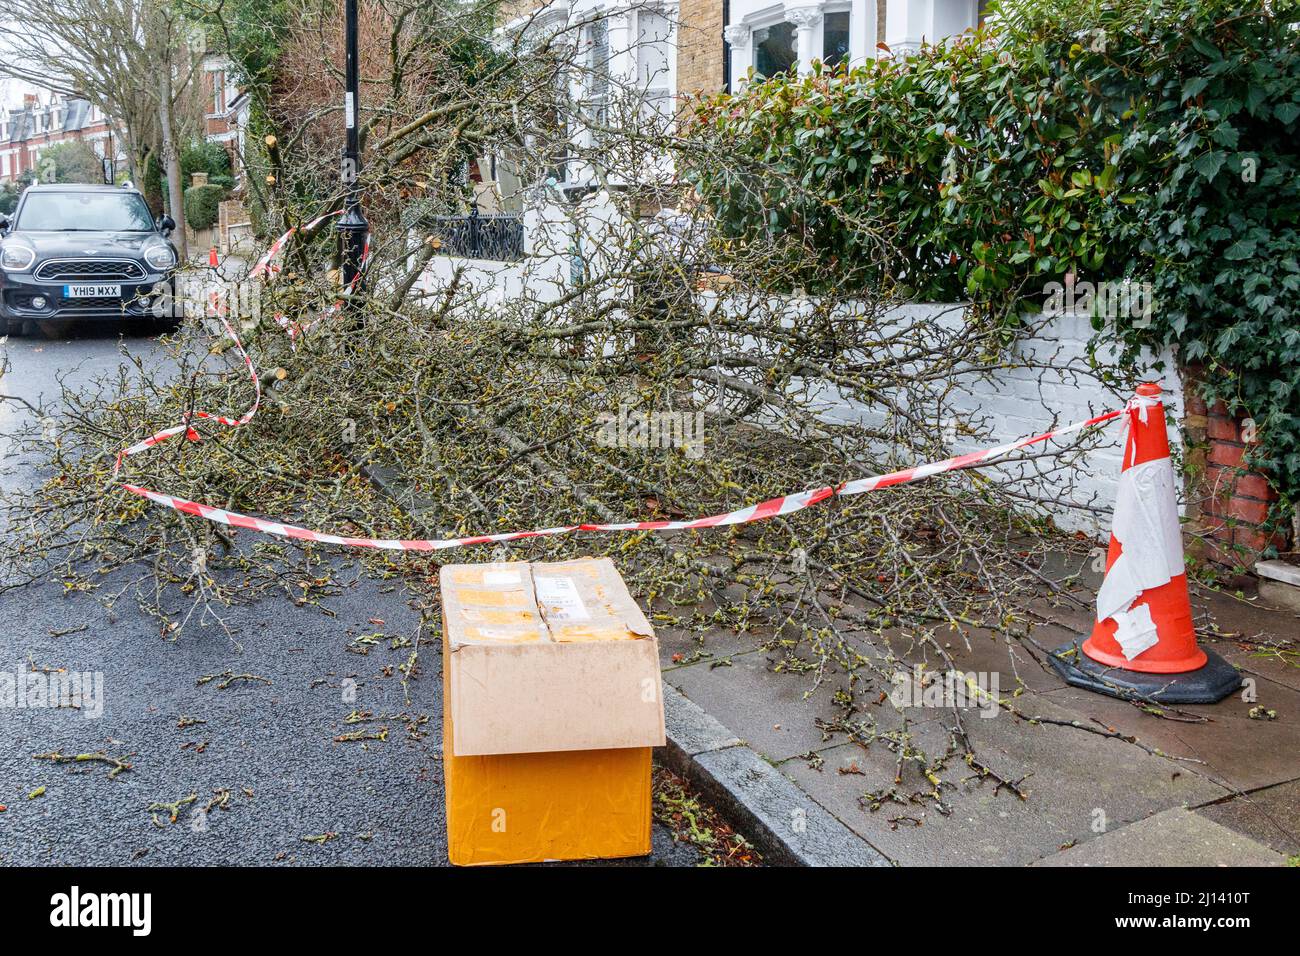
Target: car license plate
[{"x": 92, "y": 291}]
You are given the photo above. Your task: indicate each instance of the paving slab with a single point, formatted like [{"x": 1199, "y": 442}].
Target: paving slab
[
  {"x": 1246, "y": 753},
  {"x": 1270, "y": 816},
  {"x": 1241, "y": 752},
  {"x": 765, "y": 709},
  {"x": 1101, "y": 710},
  {"x": 1278, "y": 664},
  {"x": 1280, "y": 594},
  {"x": 679, "y": 647},
  {"x": 993, "y": 654},
  {"x": 1284, "y": 572},
  {"x": 1072, "y": 780},
  {"x": 1174, "y": 837}
]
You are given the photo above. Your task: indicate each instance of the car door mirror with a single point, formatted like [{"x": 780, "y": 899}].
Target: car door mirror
[{"x": 167, "y": 225}]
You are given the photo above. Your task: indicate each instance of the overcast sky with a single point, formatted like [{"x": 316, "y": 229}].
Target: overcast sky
[{"x": 11, "y": 90}]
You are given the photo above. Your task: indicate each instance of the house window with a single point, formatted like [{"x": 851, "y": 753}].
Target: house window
[
  {"x": 774, "y": 49},
  {"x": 835, "y": 38},
  {"x": 218, "y": 91},
  {"x": 654, "y": 53},
  {"x": 598, "y": 71}
]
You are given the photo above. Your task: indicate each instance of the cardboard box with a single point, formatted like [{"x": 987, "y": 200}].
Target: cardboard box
[{"x": 551, "y": 705}]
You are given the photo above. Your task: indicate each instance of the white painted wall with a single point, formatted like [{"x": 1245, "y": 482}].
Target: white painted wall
[
  {"x": 496, "y": 283},
  {"x": 1017, "y": 402},
  {"x": 909, "y": 23},
  {"x": 555, "y": 232}
]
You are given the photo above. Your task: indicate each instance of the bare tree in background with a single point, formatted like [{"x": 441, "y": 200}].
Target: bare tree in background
[{"x": 134, "y": 59}]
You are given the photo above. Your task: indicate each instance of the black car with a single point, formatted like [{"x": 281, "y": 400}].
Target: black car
[{"x": 82, "y": 252}]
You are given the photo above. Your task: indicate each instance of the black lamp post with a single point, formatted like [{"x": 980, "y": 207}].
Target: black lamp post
[{"x": 352, "y": 226}]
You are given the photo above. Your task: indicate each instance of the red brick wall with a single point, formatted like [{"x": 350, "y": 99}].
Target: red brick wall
[{"x": 1227, "y": 503}]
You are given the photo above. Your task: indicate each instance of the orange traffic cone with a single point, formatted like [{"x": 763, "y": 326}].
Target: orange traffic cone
[
  {"x": 1144, "y": 644},
  {"x": 212, "y": 257}
]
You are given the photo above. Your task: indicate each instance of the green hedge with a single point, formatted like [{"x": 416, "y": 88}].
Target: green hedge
[
  {"x": 202, "y": 205},
  {"x": 1154, "y": 141}
]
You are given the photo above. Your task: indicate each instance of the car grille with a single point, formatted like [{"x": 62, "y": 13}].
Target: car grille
[
  {"x": 86, "y": 305},
  {"x": 88, "y": 270}
]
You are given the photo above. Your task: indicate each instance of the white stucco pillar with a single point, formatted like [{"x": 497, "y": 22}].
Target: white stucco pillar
[
  {"x": 907, "y": 22},
  {"x": 807, "y": 20},
  {"x": 862, "y": 33},
  {"x": 740, "y": 37},
  {"x": 622, "y": 50}
]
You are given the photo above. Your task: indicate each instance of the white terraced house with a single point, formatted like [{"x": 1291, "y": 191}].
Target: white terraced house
[
  {"x": 533, "y": 237},
  {"x": 712, "y": 44},
  {"x": 663, "y": 51},
  {"x": 638, "y": 61}
]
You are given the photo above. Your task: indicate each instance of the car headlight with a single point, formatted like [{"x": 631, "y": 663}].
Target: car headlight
[
  {"x": 17, "y": 257},
  {"x": 160, "y": 257}
]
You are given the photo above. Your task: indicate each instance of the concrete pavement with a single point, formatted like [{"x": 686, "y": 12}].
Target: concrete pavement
[{"x": 1220, "y": 787}]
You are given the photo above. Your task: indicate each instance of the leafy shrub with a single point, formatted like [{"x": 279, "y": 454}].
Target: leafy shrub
[
  {"x": 202, "y": 205},
  {"x": 204, "y": 157},
  {"x": 151, "y": 185},
  {"x": 9, "y": 193},
  {"x": 1154, "y": 141},
  {"x": 960, "y": 170}
]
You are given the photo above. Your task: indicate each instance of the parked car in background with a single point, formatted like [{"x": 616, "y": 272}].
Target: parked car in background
[{"x": 82, "y": 252}]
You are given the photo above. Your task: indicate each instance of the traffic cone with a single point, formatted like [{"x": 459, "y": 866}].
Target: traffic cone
[
  {"x": 212, "y": 257},
  {"x": 1143, "y": 645}
]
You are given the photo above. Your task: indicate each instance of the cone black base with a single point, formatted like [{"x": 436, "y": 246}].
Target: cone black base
[{"x": 1206, "y": 685}]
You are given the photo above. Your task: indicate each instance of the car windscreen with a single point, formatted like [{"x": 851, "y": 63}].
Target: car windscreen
[{"x": 83, "y": 212}]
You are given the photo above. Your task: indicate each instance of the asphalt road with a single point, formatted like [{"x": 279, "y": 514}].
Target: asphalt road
[{"x": 264, "y": 748}]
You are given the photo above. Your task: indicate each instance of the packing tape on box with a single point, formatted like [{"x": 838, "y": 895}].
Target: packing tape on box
[{"x": 771, "y": 508}]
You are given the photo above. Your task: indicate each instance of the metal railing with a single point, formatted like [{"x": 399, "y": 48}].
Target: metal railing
[{"x": 497, "y": 237}]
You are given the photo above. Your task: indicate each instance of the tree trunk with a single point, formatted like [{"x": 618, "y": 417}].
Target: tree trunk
[
  {"x": 134, "y": 161},
  {"x": 171, "y": 161}
]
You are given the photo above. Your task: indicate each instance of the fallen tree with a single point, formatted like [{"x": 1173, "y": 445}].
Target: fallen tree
[{"x": 504, "y": 414}]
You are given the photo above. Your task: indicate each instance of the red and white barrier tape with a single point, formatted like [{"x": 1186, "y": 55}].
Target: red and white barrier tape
[
  {"x": 185, "y": 428},
  {"x": 267, "y": 267},
  {"x": 773, "y": 507},
  {"x": 784, "y": 505}
]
